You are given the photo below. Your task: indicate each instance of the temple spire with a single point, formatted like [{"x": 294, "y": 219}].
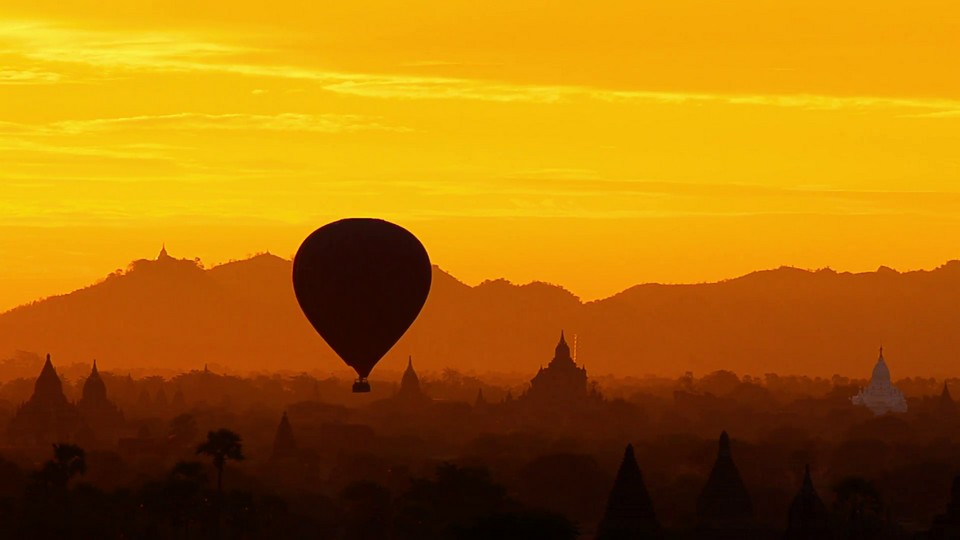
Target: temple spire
[
  {"x": 629, "y": 512},
  {"x": 724, "y": 446},
  {"x": 410, "y": 384},
  {"x": 284, "y": 443},
  {"x": 808, "y": 518},
  {"x": 724, "y": 503}
]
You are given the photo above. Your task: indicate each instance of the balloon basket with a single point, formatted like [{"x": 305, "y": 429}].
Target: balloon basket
[{"x": 361, "y": 386}]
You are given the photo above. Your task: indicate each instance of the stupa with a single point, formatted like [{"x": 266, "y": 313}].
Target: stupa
[{"x": 881, "y": 396}]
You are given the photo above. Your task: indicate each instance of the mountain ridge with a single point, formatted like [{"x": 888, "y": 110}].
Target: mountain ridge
[{"x": 173, "y": 312}]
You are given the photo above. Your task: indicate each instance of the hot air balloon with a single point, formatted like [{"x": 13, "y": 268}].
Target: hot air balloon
[{"x": 361, "y": 283}]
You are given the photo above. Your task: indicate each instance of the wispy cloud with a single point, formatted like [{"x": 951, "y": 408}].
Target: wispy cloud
[
  {"x": 28, "y": 76},
  {"x": 319, "y": 123},
  {"x": 117, "y": 52}
]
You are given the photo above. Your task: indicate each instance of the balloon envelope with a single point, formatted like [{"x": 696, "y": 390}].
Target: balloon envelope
[{"x": 361, "y": 283}]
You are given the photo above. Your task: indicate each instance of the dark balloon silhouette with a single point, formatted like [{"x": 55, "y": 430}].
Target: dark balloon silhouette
[{"x": 361, "y": 283}]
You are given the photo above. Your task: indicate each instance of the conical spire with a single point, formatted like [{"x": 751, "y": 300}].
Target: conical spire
[
  {"x": 724, "y": 502},
  {"x": 881, "y": 373},
  {"x": 163, "y": 252},
  {"x": 94, "y": 389},
  {"x": 724, "y": 446},
  {"x": 629, "y": 511},
  {"x": 808, "y": 518},
  {"x": 48, "y": 386},
  {"x": 410, "y": 383},
  {"x": 947, "y": 405},
  {"x": 562, "y": 350},
  {"x": 284, "y": 444}
]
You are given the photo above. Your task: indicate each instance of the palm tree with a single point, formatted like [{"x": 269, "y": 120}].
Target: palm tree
[{"x": 221, "y": 445}]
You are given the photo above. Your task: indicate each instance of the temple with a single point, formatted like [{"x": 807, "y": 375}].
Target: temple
[
  {"x": 724, "y": 509},
  {"x": 946, "y": 406},
  {"x": 808, "y": 518},
  {"x": 629, "y": 511},
  {"x": 47, "y": 417},
  {"x": 561, "y": 381},
  {"x": 881, "y": 396},
  {"x": 410, "y": 392},
  {"x": 102, "y": 418},
  {"x": 284, "y": 444}
]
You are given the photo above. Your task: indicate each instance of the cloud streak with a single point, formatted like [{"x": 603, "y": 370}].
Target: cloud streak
[
  {"x": 287, "y": 122},
  {"x": 115, "y": 53}
]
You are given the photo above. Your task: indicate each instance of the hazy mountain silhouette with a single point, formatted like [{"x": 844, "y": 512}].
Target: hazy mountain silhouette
[{"x": 174, "y": 313}]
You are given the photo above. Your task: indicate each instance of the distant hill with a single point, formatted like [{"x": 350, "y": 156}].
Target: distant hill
[{"x": 173, "y": 313}]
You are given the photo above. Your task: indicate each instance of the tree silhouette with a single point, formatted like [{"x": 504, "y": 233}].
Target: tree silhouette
[
  {"x": 858, "y": 508},
  {"x": 221, "y": 445},
  {"x": 68, "y": 461}
]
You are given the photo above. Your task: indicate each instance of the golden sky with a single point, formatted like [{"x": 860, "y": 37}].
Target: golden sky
[{"x": 591, "y": 144}]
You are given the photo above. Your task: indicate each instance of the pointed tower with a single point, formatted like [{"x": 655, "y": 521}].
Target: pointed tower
[
  {"x": 480, "y": 401},
  {"x": 808, "y": 518},
  {"x": 946, "y": 404},
  {"x": 284, "y": 444},
  {"x": 724, "y": 503},
  {"x": 163, "y": 256},
  {"x": 629, "y": 512},
  {"x": 94, "y": 389},
  {"x": 48, "y": 388},
  {"x": 101, "y": 418},
  {"x": 47, "y": 417},
  {"x": 562, "y": 350},
  {"x": 410, "y": 385}
]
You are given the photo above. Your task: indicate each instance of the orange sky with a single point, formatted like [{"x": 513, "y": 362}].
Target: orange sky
[{"x": 590, "y": 144}]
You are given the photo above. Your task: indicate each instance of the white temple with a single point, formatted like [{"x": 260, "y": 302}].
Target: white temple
[{"x": 881, "y": 396}]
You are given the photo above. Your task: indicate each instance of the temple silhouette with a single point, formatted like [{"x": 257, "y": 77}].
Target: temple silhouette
[
  {"x": 808, "y": 518},
  {"x": 724, "y": 508},
  {"x": 284, "y": 443},
  {"x": 47, "y": 417},
  {"x": 102, "y": 419},
  {"x": 880, "y": 395},
  {"x": 629, "y": 514},
  {"x": 562, "y": 382}
]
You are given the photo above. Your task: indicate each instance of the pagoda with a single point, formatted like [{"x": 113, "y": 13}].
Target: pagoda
[
  {"x": 410, "y": 392},
  {"x": 47, "y": 417},
  {"x": 561, "y": 381},
  {"x": 808, "y": 518},
  {"x": 629, "y": 513},
  {"x": 284, "y": 444},
  {"x": 99, "y": 415},
  {"x": 881, "y": 396},
  {"x": 724, "y": 506}
]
